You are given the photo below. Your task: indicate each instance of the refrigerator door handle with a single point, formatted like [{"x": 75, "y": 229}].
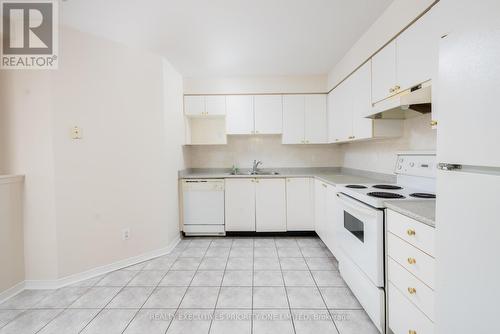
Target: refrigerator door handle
[{"x": 449, "y": 167}]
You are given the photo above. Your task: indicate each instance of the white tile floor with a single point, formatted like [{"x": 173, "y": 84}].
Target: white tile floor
[{"x": 206, "y": 285}]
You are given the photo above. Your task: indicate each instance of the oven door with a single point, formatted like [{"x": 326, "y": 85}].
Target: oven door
[{"x": 361, "y": 237}]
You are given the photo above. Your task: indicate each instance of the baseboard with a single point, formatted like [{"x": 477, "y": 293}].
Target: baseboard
[
  {"x": 72, "y": 279},
  {"x": 12, "y": 291}
]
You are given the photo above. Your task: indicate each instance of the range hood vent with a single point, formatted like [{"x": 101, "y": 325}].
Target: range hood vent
[{"x": 409, "y": 103}]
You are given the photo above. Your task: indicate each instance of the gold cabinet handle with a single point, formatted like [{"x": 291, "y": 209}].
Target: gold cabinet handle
[
  {"x": 397, "y": 87},
  {"x": 391, "y": 90},
  {"x": 411, "y": 260},
  {"x": 411, "y": 331},
  {"x": 410, "y": 232},
  {"x": 434, "y": 123},
  {"x": 412, "y": 291}
]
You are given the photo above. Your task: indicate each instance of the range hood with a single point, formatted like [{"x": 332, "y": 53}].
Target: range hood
[{"x": 406, "y": 104}]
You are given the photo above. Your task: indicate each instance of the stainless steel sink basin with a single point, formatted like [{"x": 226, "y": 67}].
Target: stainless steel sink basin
[
  {"x": 256, "y": 173},
  {"x": 264, "y": 173}
]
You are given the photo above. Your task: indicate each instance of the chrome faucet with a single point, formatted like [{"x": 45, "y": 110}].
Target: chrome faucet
[{"x": 256, "y": 166}]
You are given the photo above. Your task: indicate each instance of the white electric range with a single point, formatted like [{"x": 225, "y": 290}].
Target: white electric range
[
  {"x": 361, "y": 236},
  {"x": 416, "y": 179}
]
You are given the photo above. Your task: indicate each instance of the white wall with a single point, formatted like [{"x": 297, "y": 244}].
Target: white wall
[
  {"x": 121, "y": 175},
  {"x": 380, "y": 155},
  {"x": 255, "y": 85},
  {"x": 81, "y": 194},
  {"x": 242, "y": 150},
  {"x": 11, "y": 233},
  {"x": 394, "y": 19},
  {"x": 28, "y": 150}
]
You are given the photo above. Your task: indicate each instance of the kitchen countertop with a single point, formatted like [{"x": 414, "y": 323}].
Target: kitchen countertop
[
  {"x": 328, "y": 175},
  {"x": 422, "y": 210}
]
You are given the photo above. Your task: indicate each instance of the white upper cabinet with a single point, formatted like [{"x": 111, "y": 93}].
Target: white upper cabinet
[
  {"x": 348, "y": 105},
  {"x": 315, "y": 119},
  {"x": 361, "y": 90},
  {"x": 194, "y": 105},
  {"x": 270, "y": 205},
  {"x": 215, "y": 105},
  {"x": 299, "y": 204},
  {"x": 304, "y": 119},
  {"x": 384, "y": 73},
  {"x": 410, "y": 59},
  {"x": 199, "y": 105},
  {"x": 239, "y": 115},
  {"x": 417, "y": 52},
  {"x": 268, "y": 114},
  {"x": 293, "y": 119}
]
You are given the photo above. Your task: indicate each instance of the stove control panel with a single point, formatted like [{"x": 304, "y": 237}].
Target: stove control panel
[{"x": 423, "y": 165}]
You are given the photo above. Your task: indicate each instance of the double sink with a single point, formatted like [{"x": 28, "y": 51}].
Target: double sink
[{"x": 255, "y": 173}]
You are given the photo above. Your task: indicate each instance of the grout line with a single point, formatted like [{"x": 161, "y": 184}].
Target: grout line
[
  {"x": 88, "y": 323},
  {"x": 286, "y": 290},
  {"x": 150, "y": 294},
  {"x": 317, "y": 287},
  {"x": 187, "y": 288},
  {"x": 220, "y": 286}
]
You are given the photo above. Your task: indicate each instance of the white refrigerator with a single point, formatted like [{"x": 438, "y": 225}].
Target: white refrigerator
[{"x": 468, "y": 179}]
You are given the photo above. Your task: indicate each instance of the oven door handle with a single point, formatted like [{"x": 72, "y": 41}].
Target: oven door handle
[{"x": 355, "y": 205}]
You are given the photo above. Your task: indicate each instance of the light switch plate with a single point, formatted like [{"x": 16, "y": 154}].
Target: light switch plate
[{"x": 76, "y": 133}]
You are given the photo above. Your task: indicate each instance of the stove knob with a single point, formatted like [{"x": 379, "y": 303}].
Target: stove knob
[{"x": 412, "y": 164}]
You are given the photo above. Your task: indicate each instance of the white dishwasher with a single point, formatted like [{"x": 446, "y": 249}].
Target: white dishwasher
[{"x": 203, "y": 206}]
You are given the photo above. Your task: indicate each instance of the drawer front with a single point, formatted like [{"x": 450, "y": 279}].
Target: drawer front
[
  {"x": 404, "y": 317},
  {"x": 412, "y": 259},
  {"x": 412, "y": 231},
  {"x": 412, "y": 288}
]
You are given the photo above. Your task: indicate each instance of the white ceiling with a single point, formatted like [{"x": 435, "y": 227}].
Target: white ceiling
[{"x": 204, "y": 38}]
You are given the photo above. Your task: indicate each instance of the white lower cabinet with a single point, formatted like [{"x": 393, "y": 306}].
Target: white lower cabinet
[
  {"x": 333, "y": 220},
  {"x": 326, "y": 214},
  {"x": 411, "y": 263},
  {"x": 299, "y": 204},
  {"x": 255, "y": 205},
  {"x": 240, "y": 204},
  {"x": 270, "y": 205},
  {"x": 320, "y": 208}
]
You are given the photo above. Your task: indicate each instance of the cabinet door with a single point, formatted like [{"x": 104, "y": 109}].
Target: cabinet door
[
  {"x": 215, "y": 105},
  {"x": 340, "y": 114},
  {"x": 268, "y": 114},
  {"x": 270, "y": 205},
  {"x": 239, "y": 115},
  {"x": 333, "y": 220},
  {"x": 194, "y": 105},
  {"x": 299, "y": 204},
  {"x": 362, "y": 127},
  {"x": 384, "y": 72},
  {"x": 293, "y": 119},
  {"x": 417, "y": 52},
  {"x": 320, "y": 209},
  {"x": 240, "y": 204},
  {"x": 315, "y": 119}
]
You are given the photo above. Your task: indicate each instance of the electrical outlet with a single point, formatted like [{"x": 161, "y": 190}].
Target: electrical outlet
[{"x": 126, "y": 234}]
